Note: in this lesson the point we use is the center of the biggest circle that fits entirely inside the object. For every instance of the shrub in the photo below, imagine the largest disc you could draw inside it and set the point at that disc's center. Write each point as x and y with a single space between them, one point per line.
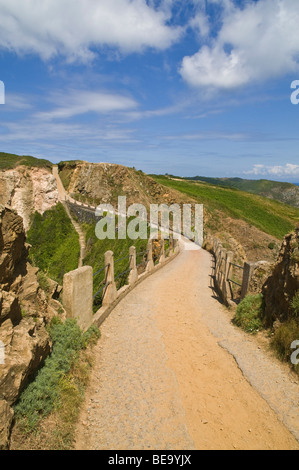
283 338
249 313
43 395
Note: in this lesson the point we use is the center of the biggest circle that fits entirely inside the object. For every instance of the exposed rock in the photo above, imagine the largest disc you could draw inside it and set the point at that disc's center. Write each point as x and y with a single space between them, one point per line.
261 272
282 285
28 190
9 308
101 183
6 417
13 250
26 348
25 309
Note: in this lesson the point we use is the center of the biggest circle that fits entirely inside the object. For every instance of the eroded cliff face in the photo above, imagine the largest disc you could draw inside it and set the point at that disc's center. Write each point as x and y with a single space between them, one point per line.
102 183
25 310
28 190
282 285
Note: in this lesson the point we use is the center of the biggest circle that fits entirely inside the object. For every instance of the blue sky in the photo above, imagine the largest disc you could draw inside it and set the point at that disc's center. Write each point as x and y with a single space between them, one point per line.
188 87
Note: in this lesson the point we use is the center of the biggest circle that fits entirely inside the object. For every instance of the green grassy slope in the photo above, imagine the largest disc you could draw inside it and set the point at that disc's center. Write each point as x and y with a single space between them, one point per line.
283 192
95 256
55 243
270 216
9 161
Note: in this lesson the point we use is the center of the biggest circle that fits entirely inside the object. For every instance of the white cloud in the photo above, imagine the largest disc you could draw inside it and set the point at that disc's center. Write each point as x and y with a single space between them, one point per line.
276 170
75 27
257 42
78 102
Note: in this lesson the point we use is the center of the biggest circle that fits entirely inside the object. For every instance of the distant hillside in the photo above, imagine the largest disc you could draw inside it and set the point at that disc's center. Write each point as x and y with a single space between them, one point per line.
9 161
270 216
284 192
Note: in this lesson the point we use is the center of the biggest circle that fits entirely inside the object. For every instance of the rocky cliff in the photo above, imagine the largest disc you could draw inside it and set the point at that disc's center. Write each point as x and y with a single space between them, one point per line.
281 286
102 183
28 189
25 309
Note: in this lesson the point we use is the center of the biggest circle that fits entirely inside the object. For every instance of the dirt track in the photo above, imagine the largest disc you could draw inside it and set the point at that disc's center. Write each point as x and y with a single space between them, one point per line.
169 373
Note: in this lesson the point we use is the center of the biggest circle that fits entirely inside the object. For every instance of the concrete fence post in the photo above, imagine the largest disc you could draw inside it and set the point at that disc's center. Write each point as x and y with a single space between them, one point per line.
176 245
133 276
247 274
110 291
171 244
78 295
149 259
162 255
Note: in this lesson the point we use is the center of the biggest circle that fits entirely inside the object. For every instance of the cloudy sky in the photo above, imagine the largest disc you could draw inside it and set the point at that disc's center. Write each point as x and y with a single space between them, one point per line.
188 87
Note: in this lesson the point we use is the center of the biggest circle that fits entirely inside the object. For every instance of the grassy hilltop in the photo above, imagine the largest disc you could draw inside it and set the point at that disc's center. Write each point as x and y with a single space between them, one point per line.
9 161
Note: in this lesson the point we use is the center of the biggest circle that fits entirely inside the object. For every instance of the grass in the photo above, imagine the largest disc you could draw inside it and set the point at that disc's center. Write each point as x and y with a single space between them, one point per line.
9 161
249 314
55 243
95 256
283 192
272 217
58 388
282 340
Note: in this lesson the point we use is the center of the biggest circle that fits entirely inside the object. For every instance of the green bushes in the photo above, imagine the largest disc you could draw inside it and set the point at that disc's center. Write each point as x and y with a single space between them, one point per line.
55 243
44 394
282 340
249 313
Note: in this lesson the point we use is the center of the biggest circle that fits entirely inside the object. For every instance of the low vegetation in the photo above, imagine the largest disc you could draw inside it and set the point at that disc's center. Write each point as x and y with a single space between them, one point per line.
282 340
55 243
57 390
250 317
9 161
249 313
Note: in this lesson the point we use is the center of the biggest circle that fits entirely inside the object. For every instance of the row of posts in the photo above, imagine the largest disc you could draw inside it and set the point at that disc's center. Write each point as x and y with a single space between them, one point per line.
78 284
111 290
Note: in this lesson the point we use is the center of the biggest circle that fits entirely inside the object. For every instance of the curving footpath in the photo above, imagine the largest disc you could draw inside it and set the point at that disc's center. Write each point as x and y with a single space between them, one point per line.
172 373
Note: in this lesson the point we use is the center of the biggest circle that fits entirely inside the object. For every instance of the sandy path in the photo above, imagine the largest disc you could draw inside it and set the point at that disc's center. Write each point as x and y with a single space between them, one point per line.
162 380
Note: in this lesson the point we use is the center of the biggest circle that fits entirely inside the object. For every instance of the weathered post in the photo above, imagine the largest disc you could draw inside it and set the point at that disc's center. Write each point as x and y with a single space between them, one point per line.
78 295
162 255
149 258
133 276
110 290
247 274
171 244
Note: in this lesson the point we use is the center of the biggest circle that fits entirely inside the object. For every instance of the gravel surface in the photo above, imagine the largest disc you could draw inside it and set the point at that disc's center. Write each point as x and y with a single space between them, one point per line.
172 373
